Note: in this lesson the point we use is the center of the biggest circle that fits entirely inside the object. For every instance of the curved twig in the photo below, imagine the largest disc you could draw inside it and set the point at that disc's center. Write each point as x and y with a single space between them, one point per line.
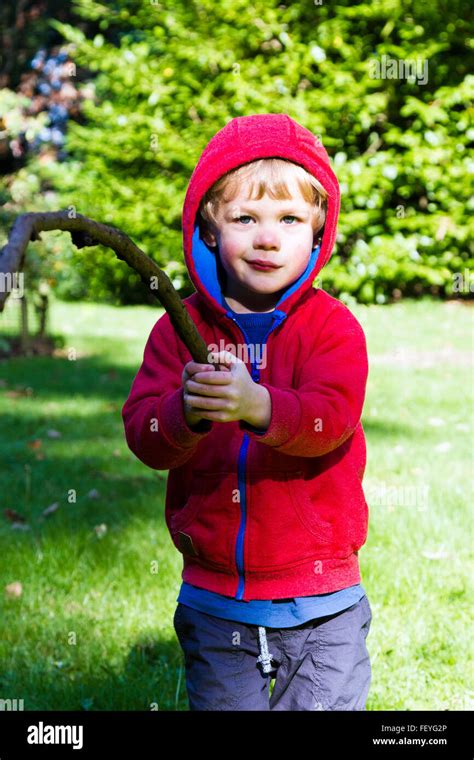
87 232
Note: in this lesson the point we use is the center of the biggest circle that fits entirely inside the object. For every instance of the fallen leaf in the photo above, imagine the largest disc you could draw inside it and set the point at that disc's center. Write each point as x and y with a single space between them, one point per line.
36 444
13 516
14 589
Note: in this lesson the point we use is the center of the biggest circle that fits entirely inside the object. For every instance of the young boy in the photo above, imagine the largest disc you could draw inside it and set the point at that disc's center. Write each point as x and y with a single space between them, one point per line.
264 445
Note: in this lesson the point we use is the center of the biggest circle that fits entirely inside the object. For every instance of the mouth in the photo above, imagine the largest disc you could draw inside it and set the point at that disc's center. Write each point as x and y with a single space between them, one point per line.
263 266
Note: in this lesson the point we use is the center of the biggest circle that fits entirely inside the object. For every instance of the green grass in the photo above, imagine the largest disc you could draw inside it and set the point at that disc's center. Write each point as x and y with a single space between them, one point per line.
93 629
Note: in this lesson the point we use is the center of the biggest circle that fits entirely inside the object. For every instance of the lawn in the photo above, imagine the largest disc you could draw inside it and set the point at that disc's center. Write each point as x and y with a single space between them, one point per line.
91 625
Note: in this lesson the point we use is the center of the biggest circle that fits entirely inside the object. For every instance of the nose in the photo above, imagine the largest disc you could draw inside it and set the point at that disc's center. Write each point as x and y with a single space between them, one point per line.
266 238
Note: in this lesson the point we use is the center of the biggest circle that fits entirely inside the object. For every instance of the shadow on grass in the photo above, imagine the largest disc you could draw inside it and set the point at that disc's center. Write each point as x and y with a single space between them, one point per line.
152 679
55 377
91 452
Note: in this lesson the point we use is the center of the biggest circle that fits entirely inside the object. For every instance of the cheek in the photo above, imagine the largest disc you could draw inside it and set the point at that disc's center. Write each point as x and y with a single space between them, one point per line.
301 265
302 253
231 248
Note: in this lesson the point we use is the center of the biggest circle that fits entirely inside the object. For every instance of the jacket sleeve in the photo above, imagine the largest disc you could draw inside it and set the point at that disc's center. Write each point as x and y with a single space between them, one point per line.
153 414
325 408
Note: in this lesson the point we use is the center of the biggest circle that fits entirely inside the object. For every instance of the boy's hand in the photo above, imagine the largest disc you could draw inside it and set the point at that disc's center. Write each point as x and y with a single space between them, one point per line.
226 395
189 371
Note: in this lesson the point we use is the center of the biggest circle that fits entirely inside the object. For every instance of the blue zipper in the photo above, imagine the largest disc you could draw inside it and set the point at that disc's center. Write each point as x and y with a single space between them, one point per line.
278 316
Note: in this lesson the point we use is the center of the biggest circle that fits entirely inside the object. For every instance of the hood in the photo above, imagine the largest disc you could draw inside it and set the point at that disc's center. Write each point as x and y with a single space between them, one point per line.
244 139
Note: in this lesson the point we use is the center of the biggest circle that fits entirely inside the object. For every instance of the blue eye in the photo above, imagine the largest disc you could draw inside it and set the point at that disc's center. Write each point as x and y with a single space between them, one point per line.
246 216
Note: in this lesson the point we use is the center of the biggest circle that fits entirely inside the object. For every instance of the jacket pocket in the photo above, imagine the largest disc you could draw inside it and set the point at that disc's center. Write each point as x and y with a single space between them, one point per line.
339 518
284 526
205 527
309 511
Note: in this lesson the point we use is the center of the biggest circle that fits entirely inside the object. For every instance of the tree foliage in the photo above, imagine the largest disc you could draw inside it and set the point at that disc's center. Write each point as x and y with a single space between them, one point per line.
168 75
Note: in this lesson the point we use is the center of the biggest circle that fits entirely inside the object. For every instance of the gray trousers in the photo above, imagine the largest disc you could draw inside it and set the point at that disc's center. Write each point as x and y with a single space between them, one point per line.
322 664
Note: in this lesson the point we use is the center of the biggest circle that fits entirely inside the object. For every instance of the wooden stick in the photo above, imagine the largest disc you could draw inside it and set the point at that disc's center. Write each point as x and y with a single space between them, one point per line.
87 232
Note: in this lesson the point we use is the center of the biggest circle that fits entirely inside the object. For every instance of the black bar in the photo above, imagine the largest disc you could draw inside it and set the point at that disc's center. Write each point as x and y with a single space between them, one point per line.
417 734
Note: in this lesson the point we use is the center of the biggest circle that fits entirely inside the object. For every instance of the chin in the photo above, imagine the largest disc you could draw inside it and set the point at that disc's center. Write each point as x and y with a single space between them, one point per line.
268 290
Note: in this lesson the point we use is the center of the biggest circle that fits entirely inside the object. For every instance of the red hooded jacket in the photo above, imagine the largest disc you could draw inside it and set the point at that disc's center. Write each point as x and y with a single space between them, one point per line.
281 514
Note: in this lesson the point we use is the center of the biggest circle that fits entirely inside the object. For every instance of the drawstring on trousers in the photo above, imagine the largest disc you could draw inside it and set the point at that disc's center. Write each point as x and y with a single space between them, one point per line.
265 657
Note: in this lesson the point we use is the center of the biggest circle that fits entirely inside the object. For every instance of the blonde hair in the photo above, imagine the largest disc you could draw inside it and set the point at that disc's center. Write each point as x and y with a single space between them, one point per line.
266 175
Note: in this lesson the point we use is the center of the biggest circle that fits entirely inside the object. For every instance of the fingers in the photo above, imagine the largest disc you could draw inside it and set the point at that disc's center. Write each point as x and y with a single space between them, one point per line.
215 389
226 358
216 378
190 369
200 373
193 367
203 404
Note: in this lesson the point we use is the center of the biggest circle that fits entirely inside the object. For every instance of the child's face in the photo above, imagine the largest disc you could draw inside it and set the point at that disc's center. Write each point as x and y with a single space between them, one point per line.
279 232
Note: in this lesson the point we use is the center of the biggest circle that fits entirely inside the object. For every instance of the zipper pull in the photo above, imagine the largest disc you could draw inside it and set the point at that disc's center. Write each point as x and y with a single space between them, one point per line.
255 374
